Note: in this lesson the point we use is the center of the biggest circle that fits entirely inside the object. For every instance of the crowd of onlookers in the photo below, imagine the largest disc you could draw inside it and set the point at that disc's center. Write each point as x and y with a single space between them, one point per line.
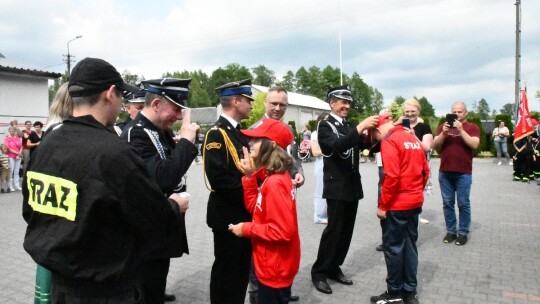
16 150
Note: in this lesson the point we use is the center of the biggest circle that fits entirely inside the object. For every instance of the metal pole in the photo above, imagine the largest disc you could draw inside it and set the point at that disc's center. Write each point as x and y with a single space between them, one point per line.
518 52
69 57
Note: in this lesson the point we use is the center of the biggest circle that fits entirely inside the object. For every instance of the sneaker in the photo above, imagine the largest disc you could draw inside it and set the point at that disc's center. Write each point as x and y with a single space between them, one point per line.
19 188
2 190
379 248
499 163
11 189
409 297
461 240
510 163
387 298
424 221
450 237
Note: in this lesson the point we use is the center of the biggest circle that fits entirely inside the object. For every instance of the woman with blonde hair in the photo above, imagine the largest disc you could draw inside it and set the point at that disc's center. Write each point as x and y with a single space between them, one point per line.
61 107
411 110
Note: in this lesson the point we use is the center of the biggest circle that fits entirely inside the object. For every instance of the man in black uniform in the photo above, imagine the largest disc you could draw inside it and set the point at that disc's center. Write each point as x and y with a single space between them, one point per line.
341 143
222 150
94 215
151 137
134 104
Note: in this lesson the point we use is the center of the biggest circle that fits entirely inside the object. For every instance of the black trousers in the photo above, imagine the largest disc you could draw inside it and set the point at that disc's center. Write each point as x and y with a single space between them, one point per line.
269 295
400 233
230 271
335 239
69 290
154 280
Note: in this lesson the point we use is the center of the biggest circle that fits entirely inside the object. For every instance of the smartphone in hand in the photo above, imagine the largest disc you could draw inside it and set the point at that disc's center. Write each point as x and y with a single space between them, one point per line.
450 118
406 123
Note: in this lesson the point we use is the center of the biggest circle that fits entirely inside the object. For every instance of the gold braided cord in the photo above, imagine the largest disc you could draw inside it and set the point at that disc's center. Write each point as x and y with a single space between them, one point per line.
230 150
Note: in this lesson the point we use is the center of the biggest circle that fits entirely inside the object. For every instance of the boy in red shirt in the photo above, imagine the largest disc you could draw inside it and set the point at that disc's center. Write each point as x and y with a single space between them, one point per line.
406 173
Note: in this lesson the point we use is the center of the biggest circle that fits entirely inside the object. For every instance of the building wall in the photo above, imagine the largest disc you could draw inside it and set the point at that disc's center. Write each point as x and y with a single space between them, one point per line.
23 98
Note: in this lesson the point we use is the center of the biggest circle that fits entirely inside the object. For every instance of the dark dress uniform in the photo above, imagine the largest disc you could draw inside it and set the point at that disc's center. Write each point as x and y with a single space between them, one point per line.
167 163
94 215
340 144
230 271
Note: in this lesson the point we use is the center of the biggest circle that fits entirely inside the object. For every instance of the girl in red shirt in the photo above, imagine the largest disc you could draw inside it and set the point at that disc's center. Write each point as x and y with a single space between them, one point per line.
269 195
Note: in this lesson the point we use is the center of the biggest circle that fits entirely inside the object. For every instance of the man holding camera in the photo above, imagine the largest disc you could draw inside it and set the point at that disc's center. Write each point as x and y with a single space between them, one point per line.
455 142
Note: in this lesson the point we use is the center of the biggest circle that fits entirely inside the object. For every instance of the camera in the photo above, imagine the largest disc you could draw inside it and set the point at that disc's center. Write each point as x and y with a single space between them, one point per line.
450 118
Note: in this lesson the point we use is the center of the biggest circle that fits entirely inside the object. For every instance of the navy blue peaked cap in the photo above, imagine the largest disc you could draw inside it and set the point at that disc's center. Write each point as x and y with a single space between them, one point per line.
175 90
135 97
341 92
242 87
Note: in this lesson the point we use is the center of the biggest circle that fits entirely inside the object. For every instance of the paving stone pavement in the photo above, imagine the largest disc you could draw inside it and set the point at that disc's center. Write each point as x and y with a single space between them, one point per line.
500 264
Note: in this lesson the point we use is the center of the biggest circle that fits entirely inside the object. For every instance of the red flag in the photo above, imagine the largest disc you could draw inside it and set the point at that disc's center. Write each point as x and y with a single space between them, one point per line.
524 126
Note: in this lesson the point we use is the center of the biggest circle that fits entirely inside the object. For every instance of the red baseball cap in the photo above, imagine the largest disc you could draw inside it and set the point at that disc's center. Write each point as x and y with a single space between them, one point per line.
384 118
272 129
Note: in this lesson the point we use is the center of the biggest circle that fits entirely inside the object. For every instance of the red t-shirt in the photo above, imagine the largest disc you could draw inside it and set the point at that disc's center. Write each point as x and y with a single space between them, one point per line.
456 156
25 140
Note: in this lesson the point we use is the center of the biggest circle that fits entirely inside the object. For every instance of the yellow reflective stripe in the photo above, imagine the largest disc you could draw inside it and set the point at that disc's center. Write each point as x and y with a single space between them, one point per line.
52 195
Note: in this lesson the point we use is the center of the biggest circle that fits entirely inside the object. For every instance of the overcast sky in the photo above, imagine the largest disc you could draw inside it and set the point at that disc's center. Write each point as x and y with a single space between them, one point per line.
445 50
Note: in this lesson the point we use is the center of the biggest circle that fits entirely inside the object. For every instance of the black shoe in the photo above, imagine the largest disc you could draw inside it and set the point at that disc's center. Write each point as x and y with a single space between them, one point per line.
461 240
450 237
342 279
2 190
409 297
387 298
169 297
294 299
322 286
379 248
8 191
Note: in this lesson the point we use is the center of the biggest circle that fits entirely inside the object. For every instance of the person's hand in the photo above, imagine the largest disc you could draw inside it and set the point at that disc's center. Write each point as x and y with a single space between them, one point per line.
458 125
446 127
188 130
237 229
381 214
246 163
182 202
368 123
298 180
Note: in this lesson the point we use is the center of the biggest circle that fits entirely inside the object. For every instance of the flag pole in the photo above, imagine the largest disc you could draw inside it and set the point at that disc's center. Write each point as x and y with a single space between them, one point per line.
518 54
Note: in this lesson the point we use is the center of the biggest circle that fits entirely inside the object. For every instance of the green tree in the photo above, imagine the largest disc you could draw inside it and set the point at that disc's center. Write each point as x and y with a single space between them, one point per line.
132 78
257 112
362 95
232 72
427 110
508 109
263 76
198 95
483 109
310 82
53 88
288 82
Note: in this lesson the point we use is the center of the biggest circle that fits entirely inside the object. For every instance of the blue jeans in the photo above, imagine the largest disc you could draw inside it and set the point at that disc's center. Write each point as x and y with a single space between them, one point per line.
400 233
459 184
501 148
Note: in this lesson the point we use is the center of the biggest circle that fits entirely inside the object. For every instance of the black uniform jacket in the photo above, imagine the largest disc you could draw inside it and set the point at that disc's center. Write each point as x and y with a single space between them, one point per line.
341 152
166 169
226 201
166 161
93 212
